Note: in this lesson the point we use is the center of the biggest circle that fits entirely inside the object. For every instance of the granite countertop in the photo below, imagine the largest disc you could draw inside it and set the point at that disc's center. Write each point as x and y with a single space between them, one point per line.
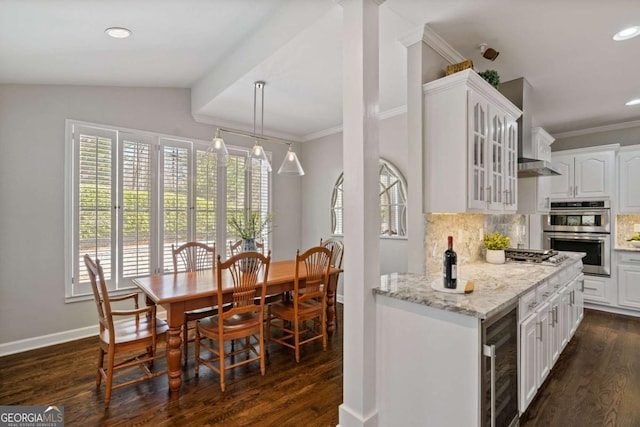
495 286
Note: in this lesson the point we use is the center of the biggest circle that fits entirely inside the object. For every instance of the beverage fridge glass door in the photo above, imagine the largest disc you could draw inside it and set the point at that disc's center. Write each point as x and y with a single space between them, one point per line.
500 370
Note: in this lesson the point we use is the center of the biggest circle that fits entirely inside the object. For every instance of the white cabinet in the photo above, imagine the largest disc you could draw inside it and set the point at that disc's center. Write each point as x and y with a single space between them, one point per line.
628 179
584 174
549 316
598 289
471 142
629 280
528 352
534 192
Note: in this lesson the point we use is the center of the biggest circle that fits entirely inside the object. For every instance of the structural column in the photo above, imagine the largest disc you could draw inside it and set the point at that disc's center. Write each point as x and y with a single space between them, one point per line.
361 209
415 177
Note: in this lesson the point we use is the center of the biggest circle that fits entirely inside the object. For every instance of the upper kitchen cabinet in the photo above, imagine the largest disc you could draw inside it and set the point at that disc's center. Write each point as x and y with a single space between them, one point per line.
585 174
629 179
471 147
534 192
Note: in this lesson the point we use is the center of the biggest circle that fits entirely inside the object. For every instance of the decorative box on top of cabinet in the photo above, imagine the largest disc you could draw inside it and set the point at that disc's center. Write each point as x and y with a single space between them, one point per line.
471 147
585 173
534 192
628 179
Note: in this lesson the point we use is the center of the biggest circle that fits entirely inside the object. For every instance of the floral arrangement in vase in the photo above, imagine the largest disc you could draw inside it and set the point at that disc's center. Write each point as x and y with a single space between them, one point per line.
249 226
495 243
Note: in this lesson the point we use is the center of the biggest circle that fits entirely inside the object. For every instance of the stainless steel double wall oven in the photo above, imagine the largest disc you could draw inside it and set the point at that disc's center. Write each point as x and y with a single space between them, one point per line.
581 226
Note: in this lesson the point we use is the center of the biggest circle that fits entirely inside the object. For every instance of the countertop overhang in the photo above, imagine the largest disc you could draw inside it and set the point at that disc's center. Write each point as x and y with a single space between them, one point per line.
496 287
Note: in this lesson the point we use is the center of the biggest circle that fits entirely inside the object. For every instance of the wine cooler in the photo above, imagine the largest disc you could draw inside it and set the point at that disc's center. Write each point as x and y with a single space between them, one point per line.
500 369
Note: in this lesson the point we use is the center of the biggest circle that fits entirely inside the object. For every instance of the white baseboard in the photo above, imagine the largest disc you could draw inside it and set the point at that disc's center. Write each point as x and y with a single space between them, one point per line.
47 340
56 338
341 299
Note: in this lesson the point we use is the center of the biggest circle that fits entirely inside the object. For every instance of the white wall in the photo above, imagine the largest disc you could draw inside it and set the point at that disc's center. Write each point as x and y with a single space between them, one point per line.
322 162
32 171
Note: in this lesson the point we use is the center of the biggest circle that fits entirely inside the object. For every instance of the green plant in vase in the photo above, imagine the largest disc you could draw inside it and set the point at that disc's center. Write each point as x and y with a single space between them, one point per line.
250 226
495 243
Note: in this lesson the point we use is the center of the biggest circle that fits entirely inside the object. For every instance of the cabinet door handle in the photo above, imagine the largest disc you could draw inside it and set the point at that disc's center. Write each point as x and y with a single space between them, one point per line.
551 317
490 352
555 315
575 191
540 324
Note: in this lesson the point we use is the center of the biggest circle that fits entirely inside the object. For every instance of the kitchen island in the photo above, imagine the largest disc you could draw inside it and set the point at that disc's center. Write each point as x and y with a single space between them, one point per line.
429 348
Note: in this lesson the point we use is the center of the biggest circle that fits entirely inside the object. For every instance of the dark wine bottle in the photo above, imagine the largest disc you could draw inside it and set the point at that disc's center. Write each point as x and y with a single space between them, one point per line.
450 266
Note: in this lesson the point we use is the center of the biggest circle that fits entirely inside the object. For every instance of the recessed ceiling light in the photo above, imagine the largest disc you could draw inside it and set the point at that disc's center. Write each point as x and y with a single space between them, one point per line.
633 102
627 33
118 32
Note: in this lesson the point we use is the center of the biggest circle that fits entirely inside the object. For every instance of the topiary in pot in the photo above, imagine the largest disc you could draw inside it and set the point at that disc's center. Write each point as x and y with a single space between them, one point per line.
491 76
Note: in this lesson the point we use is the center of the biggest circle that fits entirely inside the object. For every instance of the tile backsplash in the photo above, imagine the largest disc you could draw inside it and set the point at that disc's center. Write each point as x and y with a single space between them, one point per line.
467 231
624 229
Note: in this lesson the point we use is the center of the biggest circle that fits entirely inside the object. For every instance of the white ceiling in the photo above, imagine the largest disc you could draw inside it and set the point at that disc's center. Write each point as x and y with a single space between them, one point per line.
581 78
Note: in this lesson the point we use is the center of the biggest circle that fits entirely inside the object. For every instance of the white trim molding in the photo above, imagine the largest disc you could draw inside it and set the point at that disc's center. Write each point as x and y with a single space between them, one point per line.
597 129
434 41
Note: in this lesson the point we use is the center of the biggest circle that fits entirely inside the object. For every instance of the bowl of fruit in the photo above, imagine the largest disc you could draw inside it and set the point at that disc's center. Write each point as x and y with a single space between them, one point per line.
635 240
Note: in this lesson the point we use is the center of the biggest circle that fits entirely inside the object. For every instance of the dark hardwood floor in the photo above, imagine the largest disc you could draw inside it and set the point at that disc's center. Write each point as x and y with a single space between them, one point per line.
290 394
596 381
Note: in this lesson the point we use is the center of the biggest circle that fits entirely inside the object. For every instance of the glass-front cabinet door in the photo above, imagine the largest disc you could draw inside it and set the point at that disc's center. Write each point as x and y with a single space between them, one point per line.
478 144
496 153
511 156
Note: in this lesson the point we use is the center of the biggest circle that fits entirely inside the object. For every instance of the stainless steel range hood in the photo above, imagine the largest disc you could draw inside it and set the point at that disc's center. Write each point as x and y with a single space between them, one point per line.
518 91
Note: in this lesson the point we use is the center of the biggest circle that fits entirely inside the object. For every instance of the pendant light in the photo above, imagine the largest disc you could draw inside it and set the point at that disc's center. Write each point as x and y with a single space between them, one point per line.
218 146
257 152
291 165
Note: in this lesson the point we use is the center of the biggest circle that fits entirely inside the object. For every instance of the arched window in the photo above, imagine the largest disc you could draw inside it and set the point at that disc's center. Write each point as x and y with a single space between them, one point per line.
393 202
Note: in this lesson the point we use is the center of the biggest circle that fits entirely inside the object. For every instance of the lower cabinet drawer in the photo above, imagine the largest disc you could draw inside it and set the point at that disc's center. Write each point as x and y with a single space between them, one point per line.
595 290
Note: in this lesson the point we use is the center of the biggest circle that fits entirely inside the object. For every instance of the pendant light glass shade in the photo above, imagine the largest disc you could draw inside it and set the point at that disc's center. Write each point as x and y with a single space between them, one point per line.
218 146
258 153
291 165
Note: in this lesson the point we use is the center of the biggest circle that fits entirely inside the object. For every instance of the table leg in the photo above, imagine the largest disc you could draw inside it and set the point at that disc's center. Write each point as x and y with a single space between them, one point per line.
331 312
173 358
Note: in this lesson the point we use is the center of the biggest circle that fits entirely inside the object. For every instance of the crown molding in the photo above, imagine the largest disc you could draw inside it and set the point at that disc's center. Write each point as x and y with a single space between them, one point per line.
440 45
337 129
597 129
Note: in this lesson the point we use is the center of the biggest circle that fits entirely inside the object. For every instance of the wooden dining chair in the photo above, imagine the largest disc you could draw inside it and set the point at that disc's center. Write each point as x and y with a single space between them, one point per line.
140 332
308 303
247 274
337 253
236 247
193 256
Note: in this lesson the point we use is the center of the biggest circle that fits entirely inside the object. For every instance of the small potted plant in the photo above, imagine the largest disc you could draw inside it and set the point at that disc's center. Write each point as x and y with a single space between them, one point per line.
495 243
635 240
491 77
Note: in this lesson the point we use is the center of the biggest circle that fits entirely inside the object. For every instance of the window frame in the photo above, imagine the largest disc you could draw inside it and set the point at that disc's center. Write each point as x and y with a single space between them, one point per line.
119 285
337 197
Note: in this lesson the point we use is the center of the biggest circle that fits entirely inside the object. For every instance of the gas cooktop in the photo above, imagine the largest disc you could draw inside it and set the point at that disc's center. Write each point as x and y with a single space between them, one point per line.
537 256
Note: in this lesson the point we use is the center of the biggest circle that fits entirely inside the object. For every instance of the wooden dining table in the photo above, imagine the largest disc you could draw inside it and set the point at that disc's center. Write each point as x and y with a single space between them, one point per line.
180 292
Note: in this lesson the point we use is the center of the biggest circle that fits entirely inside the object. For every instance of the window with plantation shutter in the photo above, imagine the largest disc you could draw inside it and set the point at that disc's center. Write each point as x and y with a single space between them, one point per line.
393 202
132 194
135 195
93 199
247 189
